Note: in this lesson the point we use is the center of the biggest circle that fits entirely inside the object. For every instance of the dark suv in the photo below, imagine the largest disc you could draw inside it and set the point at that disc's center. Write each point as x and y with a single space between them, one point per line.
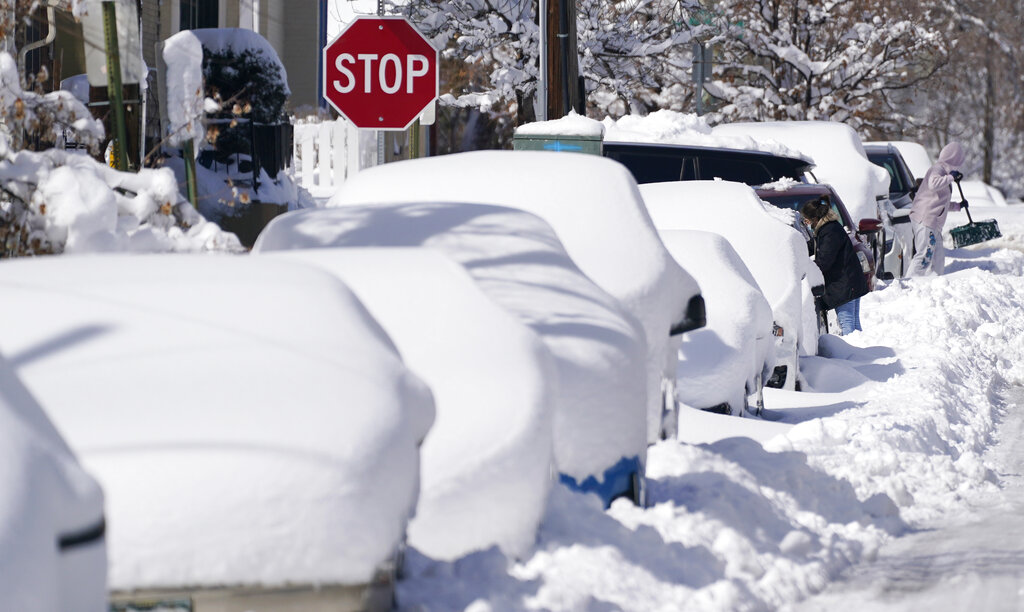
902 186
660 163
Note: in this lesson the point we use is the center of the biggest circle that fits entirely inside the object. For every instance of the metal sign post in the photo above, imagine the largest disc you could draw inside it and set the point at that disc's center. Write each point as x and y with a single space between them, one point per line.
115 92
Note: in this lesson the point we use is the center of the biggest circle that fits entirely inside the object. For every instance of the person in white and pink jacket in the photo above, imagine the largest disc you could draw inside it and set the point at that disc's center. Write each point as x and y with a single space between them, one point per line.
928 213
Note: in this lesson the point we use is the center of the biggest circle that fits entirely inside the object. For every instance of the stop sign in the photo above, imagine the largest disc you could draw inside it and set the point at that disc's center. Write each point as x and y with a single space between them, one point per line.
380 72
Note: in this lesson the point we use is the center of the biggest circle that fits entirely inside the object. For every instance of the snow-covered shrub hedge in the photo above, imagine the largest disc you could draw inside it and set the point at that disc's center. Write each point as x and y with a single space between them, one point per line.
243 73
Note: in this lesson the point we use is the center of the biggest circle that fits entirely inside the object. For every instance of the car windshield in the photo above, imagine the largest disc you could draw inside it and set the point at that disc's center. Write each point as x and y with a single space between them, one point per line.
795 201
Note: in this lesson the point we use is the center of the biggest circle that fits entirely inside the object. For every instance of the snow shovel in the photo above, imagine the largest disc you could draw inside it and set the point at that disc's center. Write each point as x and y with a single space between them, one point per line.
973 232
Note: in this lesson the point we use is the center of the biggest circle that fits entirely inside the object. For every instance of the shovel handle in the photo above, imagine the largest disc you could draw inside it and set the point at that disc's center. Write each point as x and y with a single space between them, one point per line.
962 200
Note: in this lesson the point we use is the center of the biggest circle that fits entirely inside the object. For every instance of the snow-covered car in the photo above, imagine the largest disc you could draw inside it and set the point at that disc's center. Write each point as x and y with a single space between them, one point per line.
979 193
772 249
256 433
487 460
902 185
53 554
659 162
914 154
840 161
724 365
600 419
794 196
595 209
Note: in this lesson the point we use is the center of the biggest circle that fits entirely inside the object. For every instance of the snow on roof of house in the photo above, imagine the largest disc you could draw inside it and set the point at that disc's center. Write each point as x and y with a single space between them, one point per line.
249 421
672 127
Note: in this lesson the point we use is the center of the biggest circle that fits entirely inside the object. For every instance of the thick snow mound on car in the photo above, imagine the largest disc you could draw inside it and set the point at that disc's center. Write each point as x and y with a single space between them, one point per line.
736 345
250 422
487 460
838 155
518 262
774 253
594 207
44 495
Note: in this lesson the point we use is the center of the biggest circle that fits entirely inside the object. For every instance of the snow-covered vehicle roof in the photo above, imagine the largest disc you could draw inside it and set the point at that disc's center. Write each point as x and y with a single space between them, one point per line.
838 155
979 193
672 127
518 262
53 554
773 251
487 460
721 362
594 207
250 422
913 153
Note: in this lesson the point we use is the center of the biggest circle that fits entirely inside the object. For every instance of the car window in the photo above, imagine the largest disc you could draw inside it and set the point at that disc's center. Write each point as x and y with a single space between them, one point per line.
896 183
733 169
651 167
794 202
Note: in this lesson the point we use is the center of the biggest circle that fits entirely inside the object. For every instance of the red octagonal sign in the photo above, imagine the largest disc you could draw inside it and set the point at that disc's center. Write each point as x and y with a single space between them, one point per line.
380 73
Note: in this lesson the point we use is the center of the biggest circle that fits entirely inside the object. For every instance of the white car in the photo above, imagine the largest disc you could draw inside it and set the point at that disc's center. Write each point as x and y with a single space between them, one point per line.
600 419
254 429
724 365
53 554
595 209
773 251
487 460
840 161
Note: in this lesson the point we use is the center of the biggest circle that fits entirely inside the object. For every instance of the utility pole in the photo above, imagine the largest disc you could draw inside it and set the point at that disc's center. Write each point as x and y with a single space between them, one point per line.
563 91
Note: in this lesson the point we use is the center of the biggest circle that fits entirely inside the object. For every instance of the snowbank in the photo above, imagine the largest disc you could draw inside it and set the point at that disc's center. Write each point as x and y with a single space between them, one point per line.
593 205
45 496
487 460
838 156
734 353
673 127
77 205
249 421
518 262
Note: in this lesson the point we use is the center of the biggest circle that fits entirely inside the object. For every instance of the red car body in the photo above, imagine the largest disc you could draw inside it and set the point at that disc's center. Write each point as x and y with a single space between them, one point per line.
793 197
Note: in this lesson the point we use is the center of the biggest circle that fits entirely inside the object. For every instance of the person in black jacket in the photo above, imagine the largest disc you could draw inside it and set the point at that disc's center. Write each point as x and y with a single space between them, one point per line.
834 254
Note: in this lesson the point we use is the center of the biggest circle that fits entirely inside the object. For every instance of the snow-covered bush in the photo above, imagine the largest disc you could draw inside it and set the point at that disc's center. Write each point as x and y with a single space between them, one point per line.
243 73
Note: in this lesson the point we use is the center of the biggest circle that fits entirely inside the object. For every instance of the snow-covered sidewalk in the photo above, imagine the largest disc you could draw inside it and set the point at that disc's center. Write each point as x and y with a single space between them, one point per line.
752 514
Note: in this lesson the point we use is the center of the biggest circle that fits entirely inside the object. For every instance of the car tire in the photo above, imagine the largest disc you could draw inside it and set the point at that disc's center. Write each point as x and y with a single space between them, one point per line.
638 489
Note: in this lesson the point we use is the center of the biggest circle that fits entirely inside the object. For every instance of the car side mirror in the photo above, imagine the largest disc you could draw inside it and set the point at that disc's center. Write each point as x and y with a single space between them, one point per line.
869 226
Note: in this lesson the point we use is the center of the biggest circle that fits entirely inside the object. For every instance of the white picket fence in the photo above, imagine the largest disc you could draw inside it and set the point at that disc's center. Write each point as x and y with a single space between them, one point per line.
327 153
